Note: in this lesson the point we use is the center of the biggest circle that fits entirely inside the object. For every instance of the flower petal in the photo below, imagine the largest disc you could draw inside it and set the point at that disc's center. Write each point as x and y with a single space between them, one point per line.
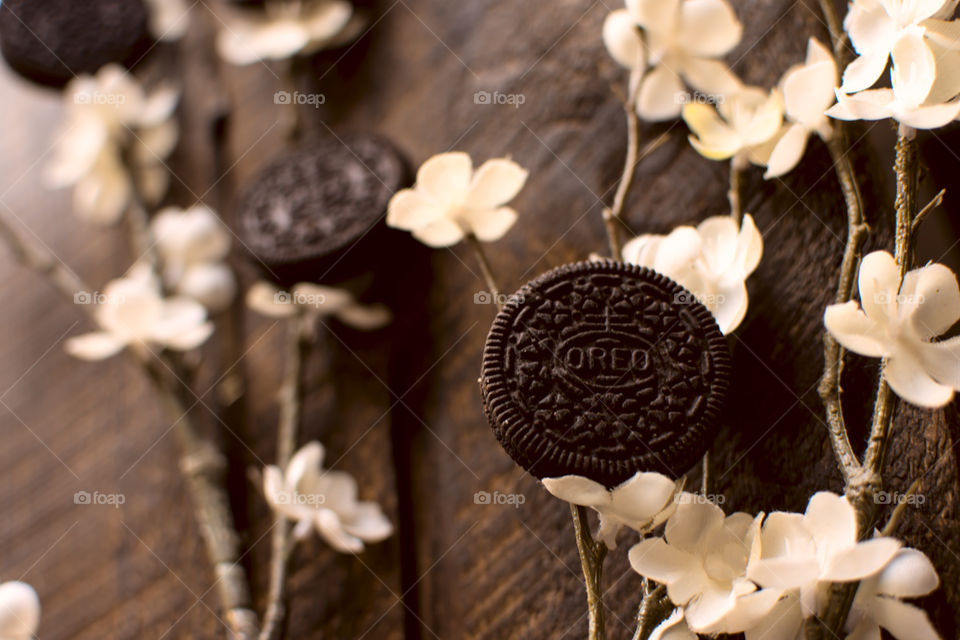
490 224
19 611
578 490
673 628
660 561
859 561
712 77
873 104
365 317
641 497
325 20
709 608
692 522
211 284
441 233
909 379
712 137
708 28
914 68
446 177
931 297
942 361
330 529
879 282
369 523
863 72
654 15
870 28
268 300
623 40
909 575
931 116
784 621
660 95
305 464
787 152
94 346
410 210
903 621
495 183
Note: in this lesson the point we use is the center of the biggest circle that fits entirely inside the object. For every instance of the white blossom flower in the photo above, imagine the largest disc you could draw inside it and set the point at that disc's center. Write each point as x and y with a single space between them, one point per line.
702 559
314 301
877 604
675 627
286 28
681 41
801 554
115 139
640 503
451 200
132 311
193 245
324 500
900 322
879 104
883 29
808 91
169 19
19 611
744 127
712 261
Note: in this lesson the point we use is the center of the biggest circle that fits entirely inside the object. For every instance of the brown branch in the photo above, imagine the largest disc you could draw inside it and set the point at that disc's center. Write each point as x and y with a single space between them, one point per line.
736 186
298 346
592 554
477 248
611 216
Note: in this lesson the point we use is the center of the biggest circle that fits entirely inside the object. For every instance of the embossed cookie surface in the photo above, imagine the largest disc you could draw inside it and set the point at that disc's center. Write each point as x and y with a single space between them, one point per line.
603 369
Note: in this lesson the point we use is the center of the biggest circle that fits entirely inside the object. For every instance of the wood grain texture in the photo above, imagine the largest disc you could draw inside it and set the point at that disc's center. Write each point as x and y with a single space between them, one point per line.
401 410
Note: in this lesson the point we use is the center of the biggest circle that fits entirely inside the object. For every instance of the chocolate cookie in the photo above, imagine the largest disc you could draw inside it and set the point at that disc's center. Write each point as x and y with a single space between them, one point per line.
51 41
309 208
603 369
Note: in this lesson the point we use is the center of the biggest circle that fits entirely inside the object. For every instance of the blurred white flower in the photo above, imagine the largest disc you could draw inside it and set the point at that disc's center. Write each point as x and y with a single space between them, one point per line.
712 261
744 126
133 312
681 41
877 604
901 322
808 91
878 104
193 245
640 503
702 559
286 28
884 29
451 200
800 554
316 498
19 611
169 19
314 301
114 140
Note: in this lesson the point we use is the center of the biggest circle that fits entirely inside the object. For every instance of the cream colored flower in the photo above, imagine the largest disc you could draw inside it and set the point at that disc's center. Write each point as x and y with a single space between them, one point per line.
681 40
169 19
115 138
808 91
902 323
314 301
451 200
193 245
19 611
712 261
640 503
323 500
744 126
134 313
286 28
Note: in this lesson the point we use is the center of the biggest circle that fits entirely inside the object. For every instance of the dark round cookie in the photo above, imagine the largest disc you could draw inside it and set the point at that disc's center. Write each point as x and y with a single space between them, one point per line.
603 369
51 41
309 207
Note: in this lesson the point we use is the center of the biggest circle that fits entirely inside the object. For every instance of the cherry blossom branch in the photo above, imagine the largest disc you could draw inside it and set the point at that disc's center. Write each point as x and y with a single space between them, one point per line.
477 248
829 388
611 216
654 609
200 463
298 345
838 37
592 554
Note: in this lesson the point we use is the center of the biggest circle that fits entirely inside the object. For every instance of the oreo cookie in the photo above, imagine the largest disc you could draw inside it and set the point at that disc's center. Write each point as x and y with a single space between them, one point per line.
310 210
603 369
51 41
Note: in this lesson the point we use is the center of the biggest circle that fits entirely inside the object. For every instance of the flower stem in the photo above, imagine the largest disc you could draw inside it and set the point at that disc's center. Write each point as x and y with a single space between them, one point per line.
654 609
611 216
592 554
477 248
830 387
736 186
838 37
298 345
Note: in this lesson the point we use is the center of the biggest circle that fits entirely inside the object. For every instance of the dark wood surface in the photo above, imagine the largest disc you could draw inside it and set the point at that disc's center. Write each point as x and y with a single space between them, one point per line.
401 410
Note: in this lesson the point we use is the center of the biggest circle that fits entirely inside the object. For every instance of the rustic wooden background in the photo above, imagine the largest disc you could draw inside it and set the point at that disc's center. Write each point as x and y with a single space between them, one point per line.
402 411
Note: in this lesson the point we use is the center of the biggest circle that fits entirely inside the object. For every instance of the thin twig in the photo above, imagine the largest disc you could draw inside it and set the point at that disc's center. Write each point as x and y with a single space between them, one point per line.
830 385
935 202
477 248
611 216
592 554
298 347
654 609
705 474
900 509
736 186
838 37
